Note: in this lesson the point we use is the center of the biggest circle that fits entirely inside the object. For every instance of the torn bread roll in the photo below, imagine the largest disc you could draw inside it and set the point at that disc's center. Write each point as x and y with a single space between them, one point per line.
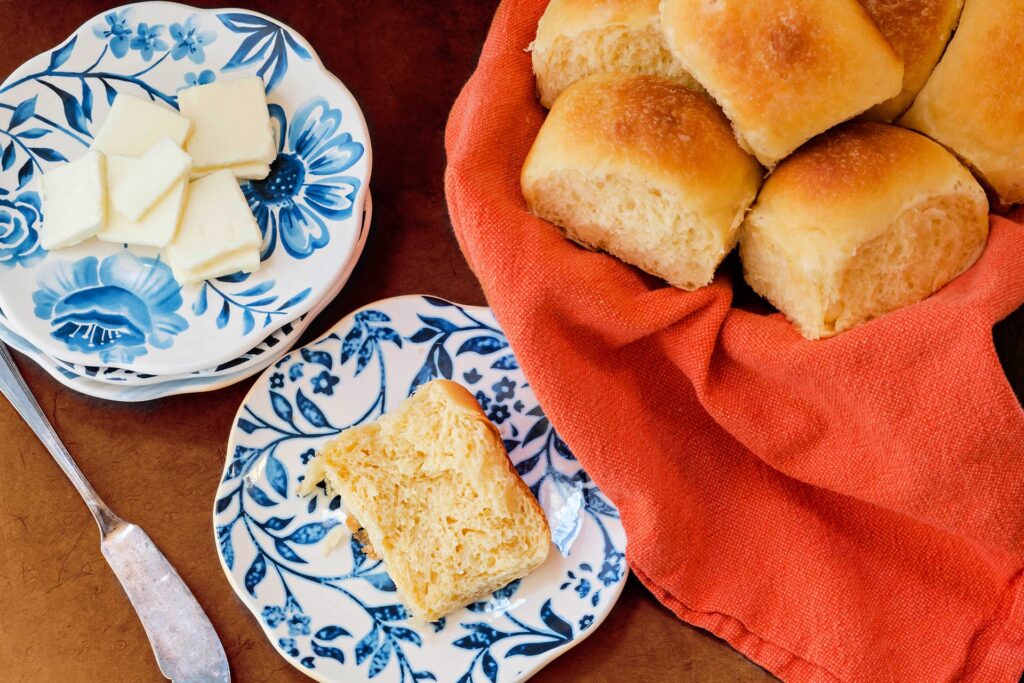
433 490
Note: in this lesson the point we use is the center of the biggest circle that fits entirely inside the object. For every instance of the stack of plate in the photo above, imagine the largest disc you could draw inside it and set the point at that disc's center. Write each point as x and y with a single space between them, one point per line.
112 321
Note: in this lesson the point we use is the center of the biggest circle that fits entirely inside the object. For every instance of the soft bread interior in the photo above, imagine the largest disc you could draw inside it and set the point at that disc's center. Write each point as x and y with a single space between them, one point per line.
437 499
926 246
635 220
613 49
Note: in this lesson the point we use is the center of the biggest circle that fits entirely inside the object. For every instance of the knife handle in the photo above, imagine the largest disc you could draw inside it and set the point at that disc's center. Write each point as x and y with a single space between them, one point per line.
13 386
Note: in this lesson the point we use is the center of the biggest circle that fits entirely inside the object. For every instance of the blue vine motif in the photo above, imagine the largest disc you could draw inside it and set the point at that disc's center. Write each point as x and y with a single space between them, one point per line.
483 636
253 302
282 538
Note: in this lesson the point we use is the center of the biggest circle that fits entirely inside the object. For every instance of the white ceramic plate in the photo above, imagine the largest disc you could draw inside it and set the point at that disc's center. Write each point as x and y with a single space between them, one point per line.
101 304
281 340
131 394
335 615
189 384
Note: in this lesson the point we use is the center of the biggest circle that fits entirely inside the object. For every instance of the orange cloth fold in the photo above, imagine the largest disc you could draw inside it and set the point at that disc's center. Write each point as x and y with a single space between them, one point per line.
849 509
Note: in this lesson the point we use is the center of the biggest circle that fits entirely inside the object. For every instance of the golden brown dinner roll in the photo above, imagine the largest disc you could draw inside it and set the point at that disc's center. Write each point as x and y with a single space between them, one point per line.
645 169
437 498
974 101
863 220
783 70
918 30
578 38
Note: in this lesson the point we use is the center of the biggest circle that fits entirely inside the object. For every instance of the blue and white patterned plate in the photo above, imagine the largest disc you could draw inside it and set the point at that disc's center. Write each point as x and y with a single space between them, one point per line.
334 614
133 393
102 304
281 340
159 387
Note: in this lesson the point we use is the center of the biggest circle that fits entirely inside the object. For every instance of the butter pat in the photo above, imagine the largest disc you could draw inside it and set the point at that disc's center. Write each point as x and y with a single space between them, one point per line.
157 226
152 176
255 170
74 201
245 260
217 235
134 125
232 125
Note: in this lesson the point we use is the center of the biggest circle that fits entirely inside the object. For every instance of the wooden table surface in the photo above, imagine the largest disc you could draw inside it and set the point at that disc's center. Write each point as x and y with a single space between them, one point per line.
63 616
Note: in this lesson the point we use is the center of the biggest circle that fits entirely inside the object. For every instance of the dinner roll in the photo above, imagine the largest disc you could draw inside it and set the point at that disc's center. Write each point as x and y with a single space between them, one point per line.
863 220
783 70
578 38
974 101
918 30
645 169
430 489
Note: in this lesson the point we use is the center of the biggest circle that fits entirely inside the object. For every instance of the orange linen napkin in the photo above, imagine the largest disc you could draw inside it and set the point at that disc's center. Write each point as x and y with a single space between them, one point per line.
849 509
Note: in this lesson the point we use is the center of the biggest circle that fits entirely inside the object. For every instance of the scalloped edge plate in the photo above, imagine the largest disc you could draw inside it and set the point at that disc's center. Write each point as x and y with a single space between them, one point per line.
333 614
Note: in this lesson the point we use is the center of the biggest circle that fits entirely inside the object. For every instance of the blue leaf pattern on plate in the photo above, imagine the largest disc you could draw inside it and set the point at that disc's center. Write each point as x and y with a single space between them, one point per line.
265 40
297 419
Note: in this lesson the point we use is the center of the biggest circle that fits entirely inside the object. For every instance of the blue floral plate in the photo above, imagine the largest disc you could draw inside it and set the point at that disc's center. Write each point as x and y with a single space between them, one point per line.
134 393
280 341
114 384
328 609
101 304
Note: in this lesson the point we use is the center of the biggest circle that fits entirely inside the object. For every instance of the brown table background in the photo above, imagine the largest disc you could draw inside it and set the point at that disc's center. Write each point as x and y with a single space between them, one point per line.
63 616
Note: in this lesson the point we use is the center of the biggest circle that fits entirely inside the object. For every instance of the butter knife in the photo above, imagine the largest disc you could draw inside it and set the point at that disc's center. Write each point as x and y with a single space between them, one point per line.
186 646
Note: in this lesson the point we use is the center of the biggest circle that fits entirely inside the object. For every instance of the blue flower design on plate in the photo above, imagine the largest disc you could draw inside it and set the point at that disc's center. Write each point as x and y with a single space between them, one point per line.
498 413
337 613
147 40
305 187
114 308
20 220
204 77
324 383
116 31
190 41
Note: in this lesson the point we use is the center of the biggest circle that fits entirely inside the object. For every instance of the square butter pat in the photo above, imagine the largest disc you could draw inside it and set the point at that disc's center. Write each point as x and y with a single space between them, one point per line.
244 260
134 125
74 201
232 125
157 226
156 172
216 222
